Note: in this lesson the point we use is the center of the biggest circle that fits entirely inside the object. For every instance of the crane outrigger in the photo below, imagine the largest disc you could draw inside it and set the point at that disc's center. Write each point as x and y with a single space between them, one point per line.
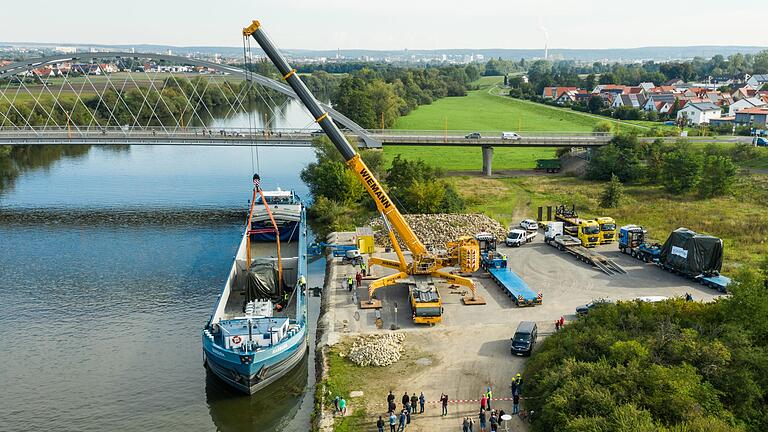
463 253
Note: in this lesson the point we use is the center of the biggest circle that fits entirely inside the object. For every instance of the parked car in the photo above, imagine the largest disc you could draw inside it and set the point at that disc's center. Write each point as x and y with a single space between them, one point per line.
761 142
652 299
524 339
514 136
317 133
473 135
584 309
529 224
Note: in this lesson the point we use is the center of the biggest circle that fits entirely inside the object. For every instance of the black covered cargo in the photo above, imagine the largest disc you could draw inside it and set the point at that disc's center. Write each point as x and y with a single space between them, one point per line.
692 254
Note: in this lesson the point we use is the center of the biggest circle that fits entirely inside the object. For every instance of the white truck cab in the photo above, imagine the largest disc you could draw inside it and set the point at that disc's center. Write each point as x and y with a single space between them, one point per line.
553 229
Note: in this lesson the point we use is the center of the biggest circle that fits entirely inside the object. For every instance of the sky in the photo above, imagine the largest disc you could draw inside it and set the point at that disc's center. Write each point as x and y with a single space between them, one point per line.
393 24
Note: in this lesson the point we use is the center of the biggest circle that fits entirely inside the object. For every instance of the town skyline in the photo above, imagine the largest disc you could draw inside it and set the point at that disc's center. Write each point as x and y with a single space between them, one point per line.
420 26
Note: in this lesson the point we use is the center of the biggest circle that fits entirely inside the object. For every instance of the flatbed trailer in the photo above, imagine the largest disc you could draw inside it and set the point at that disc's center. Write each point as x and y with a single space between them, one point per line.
515 287
572 245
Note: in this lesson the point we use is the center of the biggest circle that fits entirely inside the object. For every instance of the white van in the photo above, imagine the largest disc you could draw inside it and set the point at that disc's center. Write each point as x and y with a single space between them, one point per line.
511 136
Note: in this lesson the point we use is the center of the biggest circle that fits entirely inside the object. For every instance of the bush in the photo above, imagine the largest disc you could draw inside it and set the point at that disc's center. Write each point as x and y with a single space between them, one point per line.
613 193
681 169
672 366
720 176
620 158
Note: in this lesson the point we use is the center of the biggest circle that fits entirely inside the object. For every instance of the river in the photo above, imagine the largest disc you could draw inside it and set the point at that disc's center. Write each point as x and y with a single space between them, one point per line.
102 314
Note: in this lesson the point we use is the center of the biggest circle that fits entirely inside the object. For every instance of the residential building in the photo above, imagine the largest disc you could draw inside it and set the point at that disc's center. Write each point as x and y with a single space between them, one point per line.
755 117
757 81
630 100
556 92
744 92
744 104
652 104
699 113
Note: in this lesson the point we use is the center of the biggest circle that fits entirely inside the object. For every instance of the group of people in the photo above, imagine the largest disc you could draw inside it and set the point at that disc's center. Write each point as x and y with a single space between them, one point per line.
559 323
340 404
399 422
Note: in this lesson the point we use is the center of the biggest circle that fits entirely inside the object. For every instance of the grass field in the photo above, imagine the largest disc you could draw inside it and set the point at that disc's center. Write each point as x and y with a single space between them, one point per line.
740 219
482 111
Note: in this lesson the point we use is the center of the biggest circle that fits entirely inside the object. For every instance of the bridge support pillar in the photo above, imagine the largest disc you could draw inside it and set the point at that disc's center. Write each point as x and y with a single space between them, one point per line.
487 160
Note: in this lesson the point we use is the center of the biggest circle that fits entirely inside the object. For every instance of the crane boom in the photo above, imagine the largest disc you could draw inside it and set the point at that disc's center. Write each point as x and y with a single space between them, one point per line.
383 203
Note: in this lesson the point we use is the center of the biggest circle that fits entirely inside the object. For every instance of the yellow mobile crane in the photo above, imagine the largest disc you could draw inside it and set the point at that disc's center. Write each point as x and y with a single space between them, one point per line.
463 253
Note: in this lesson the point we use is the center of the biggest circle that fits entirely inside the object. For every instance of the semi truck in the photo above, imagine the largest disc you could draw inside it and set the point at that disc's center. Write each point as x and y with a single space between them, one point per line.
687 253
586 230
632 241
607 230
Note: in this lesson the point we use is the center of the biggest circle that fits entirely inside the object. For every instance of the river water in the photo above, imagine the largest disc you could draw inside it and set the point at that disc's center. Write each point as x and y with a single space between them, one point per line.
101 316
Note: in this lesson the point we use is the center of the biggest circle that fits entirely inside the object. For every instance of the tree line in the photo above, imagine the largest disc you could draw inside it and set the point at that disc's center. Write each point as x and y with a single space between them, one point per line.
678 167
376 98
675 366
340 201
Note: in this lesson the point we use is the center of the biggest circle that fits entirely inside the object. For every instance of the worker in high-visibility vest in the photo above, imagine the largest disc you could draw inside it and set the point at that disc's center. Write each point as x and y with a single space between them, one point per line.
363 267
350 283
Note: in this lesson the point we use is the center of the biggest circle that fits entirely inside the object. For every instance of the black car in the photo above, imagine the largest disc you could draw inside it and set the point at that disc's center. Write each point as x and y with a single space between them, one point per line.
584 309
524 339
473 135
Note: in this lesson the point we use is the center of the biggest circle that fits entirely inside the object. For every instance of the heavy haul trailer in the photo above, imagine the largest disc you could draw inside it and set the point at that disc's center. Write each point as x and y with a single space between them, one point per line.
495 264
514 287
555 237
695 256
689 254
586 230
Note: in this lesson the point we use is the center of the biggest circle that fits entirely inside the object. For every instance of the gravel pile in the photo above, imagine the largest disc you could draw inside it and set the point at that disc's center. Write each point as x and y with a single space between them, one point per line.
436 229
377 349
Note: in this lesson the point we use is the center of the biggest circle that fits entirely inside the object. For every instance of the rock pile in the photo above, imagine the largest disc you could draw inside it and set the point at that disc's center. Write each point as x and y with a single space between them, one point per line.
377 349
436 229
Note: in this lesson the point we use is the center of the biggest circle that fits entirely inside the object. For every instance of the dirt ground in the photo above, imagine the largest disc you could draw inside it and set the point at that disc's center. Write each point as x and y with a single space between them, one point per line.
469 351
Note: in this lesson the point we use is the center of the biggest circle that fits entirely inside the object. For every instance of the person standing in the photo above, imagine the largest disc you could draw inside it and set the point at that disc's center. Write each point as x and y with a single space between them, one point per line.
390 398
350 283
489 396
380 424
336 404
471 425
444 403
407 410
359 279
483 402
483 423
343 407
392 421
414 401
501 418
516 404
557 325
401 426
494 422
519 381
513 387
405 399
422 401
562 322
465 425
